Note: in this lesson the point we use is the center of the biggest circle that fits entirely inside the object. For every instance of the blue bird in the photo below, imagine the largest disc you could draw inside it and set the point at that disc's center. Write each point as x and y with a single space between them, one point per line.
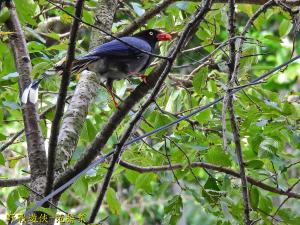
113 60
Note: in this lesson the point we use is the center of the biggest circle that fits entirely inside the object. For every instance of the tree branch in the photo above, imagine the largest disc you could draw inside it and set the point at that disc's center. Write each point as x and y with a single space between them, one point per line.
14 181
101 159
138 22
62 97
85 92
260 2
35 141
113 122
64 2
229 104
221 169
11 140
188 31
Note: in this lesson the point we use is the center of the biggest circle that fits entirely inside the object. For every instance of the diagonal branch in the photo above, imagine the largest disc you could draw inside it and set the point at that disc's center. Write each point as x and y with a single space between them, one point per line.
186 34
113 123
62 97
85 92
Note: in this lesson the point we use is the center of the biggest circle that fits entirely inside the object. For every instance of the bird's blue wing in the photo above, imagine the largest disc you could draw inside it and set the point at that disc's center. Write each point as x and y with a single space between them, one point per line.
118 49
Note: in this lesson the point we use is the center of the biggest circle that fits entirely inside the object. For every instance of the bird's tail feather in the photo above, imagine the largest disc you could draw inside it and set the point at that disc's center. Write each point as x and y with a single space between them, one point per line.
80 65
31 92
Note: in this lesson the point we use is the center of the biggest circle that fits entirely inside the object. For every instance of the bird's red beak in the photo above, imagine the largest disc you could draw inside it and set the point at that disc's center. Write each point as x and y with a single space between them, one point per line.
164 37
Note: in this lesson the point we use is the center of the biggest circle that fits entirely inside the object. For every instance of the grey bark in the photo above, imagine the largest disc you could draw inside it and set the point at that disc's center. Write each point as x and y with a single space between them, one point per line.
34 138
85 92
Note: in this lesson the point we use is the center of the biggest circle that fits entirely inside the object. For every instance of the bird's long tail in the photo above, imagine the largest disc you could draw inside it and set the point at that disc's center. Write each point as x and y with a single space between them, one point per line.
31 92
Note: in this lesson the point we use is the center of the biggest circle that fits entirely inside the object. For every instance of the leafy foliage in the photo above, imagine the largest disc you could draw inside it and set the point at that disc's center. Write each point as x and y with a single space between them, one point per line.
268 116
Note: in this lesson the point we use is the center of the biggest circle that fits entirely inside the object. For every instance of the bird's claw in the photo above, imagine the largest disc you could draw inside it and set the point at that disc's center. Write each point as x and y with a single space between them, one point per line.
143 78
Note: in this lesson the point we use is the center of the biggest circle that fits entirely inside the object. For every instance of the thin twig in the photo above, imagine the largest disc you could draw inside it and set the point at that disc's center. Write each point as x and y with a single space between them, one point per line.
146 16
170 164
19 133
11 140
14 181
228 102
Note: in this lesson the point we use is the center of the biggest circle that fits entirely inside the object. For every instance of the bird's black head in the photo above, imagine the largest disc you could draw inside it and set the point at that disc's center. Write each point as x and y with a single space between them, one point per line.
152 36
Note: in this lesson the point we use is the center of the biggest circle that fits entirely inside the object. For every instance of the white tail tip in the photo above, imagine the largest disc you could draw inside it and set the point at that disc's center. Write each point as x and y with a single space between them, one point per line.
30 93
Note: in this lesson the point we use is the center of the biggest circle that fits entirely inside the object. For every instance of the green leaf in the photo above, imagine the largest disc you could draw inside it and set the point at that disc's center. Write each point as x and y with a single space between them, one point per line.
289 216
196 195
2 222
12 199
204 116
1 116
39 69
81 187
35 46
285 27
23 192
26 10
173 209
160 120
255 142
255 164
2 159
2 137
172 101
131 176
112 201
273 38
144 182
211 191
217 156
88 17
259 22
91 130
254 197
4 14
54 36
265 204
199 80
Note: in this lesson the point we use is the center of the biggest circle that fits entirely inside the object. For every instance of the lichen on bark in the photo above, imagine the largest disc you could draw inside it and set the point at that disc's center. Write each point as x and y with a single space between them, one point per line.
85 92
